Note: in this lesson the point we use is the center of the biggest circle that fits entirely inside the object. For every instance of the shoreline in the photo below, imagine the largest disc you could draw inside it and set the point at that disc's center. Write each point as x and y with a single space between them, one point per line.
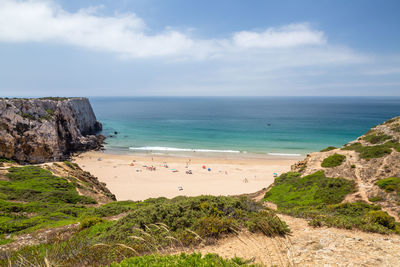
198 153
227 175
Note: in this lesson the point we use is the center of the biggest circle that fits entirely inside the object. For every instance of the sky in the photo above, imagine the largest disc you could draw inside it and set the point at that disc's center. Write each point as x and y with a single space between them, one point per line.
199 48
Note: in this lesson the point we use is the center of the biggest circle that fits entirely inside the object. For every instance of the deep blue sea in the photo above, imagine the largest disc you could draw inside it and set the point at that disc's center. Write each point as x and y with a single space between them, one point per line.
252 125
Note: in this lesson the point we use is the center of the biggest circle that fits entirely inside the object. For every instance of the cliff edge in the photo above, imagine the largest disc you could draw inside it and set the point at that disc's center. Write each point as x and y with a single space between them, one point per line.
47 129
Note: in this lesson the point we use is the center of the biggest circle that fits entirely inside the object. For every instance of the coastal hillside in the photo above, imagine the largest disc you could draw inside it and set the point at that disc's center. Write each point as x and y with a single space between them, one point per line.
372 162
56 214
46 129
44 197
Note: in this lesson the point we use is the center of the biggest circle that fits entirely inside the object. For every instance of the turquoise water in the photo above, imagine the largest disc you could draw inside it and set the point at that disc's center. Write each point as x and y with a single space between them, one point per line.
255 125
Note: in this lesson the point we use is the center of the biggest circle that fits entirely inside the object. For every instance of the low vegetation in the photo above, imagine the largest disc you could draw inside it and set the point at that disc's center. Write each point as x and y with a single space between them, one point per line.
195 259
391 184
329 148
319 198
377 138
396 128
376 151
191 220
31 198
55 98
5 160
333 161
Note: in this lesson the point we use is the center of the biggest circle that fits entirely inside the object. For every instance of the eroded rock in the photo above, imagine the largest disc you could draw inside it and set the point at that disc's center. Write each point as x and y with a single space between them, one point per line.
40 130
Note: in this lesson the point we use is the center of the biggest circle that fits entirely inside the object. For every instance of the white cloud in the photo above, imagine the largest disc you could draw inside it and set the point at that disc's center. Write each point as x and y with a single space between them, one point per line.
43 21
127 36
288 36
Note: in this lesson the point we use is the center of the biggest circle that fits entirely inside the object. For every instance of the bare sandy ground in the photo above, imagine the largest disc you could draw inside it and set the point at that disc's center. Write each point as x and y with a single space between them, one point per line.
309 246
227 176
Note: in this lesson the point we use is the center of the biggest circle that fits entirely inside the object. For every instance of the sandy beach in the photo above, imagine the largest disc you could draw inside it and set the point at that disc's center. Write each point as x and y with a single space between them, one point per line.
130 177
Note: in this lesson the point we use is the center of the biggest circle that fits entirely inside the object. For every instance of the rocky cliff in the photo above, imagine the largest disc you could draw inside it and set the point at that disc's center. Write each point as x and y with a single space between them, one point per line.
372 161
47 129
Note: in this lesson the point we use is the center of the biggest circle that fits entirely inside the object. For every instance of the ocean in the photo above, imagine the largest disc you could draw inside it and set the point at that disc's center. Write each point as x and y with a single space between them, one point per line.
277 126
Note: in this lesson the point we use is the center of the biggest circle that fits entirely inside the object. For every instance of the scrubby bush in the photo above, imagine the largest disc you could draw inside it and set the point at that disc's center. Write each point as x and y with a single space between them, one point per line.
291 190
377 138
329 148
376 151
195 259
333 161
375 199
207 216
381 218
319 198
5 160
89 222
152 226
266 223
52 201
212 226
390 184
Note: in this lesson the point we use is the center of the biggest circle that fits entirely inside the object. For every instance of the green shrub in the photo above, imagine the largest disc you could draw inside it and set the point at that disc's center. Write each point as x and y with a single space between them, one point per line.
266 223
291 190
329 148
181 217
182 260
375 199
50 112
376 151
4 160
115 208
381 218
89 222
377 138
390 121
151 226
32 183
333 161
69 164
214 226
390 184
55 98
52 201
319 198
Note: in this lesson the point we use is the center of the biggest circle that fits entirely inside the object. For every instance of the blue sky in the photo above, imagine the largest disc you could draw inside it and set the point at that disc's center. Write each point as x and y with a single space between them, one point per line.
189 48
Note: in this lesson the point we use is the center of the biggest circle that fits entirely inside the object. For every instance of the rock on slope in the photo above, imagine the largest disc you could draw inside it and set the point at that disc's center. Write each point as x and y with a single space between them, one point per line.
369 159
46 129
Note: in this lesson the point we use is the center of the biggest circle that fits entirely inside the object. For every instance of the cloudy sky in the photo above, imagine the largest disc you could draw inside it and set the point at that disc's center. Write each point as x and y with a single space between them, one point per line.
199 48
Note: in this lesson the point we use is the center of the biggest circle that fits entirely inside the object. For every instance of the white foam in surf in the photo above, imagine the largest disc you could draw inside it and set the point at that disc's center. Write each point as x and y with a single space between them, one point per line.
175 149
284 154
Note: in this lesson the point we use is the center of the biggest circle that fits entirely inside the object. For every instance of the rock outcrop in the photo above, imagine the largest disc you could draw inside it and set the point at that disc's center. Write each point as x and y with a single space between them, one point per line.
369 159
47 129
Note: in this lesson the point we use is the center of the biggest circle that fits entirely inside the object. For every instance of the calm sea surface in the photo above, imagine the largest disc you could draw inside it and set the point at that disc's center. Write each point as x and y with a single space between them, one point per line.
253 125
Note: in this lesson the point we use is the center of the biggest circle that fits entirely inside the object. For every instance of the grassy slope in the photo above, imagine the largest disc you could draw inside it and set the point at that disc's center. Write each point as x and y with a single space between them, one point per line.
182 260
32 198
319 198
333 161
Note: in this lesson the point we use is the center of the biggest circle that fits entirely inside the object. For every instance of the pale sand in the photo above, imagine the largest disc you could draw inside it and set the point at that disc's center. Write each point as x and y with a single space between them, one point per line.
227 176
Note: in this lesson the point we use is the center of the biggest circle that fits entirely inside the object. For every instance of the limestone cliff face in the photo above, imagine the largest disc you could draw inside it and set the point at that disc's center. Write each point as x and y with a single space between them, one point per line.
48 129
